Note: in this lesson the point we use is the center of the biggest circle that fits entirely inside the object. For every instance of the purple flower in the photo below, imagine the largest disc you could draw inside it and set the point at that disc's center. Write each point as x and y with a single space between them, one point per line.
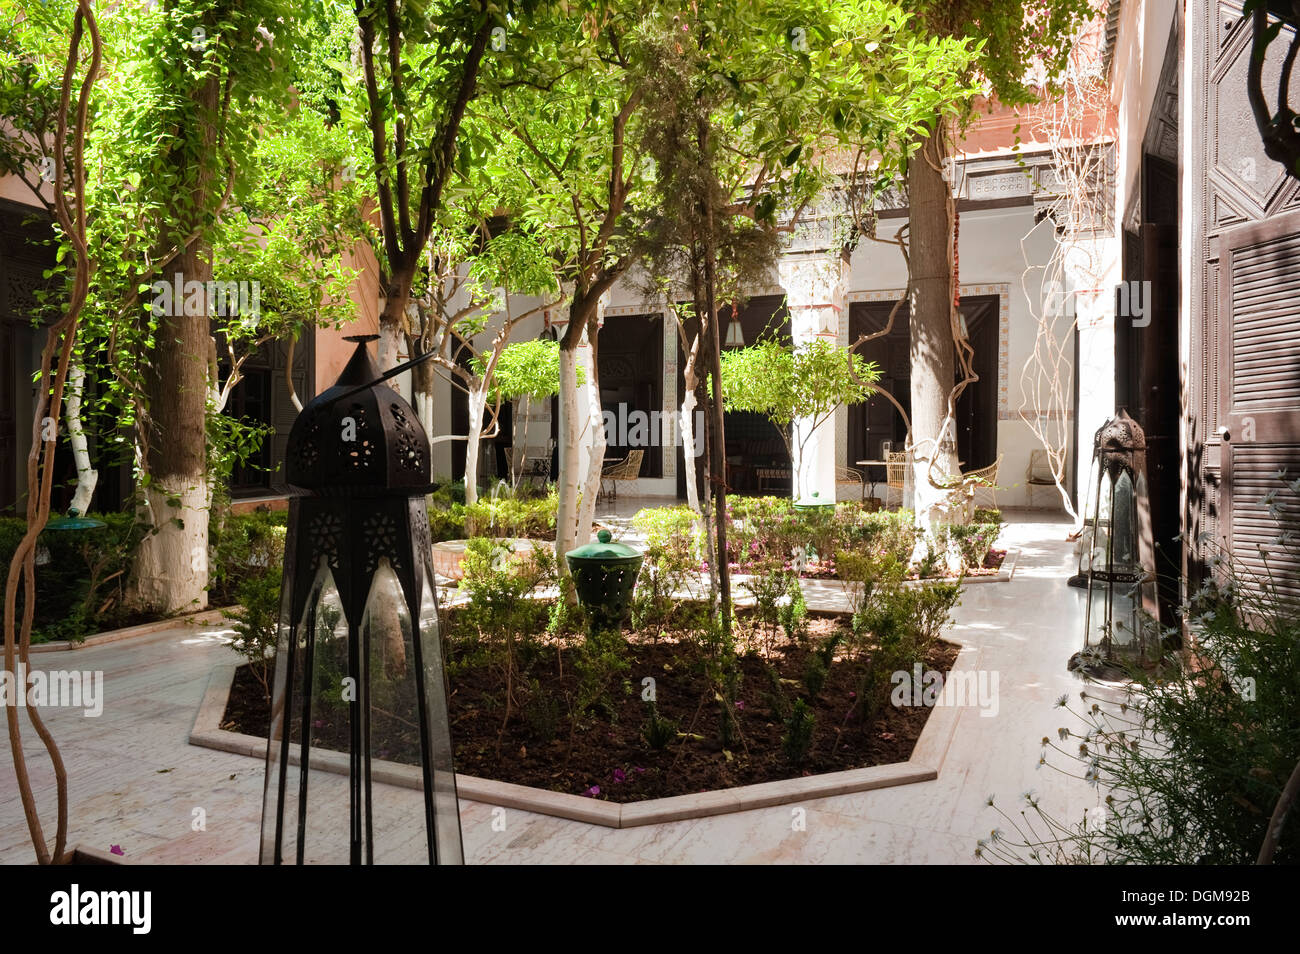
638 769
116 850
853 695
619 775
740 704
593 791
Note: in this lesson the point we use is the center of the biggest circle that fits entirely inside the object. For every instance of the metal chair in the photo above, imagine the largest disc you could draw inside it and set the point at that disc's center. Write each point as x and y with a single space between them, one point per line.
1039 473
988 474
895 475
629 468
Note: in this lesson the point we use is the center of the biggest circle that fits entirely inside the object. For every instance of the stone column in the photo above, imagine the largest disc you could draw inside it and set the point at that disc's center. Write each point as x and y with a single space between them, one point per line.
816 287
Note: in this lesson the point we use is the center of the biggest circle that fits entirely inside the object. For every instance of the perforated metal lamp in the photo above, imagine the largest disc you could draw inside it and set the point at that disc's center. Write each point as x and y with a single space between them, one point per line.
359 761
1121 608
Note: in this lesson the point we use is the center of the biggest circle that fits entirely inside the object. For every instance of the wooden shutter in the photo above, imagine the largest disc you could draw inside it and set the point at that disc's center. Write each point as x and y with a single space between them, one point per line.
1259 395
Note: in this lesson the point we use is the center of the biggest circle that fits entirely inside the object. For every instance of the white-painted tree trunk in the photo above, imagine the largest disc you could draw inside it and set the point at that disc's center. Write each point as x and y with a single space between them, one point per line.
566 519
87 476
594 434
172 572
477 402
688 449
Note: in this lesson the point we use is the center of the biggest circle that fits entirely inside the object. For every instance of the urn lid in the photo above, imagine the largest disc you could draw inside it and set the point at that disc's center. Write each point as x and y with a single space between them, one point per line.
358 437
603 550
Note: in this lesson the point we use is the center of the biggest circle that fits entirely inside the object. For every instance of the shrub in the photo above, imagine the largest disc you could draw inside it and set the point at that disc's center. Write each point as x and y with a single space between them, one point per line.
244 547
256 622
883 533
658 731
82 589
797 740
672 560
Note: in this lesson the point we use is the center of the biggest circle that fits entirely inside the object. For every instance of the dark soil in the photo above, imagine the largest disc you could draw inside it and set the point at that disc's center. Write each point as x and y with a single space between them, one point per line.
604 755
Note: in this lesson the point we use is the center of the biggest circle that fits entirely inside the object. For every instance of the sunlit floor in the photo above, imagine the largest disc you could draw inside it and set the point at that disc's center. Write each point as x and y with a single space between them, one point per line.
135 782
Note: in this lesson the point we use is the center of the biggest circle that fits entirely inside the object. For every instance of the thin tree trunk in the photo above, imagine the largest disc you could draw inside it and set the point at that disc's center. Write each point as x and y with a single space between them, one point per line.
596 445
87 476
566 518
932 349
718 442
477 402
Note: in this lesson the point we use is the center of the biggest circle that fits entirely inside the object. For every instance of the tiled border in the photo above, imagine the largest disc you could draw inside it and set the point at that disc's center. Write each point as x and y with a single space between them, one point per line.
924 765
144 629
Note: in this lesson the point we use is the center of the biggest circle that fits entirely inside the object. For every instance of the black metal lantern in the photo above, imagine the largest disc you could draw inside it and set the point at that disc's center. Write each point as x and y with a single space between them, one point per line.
359 760
1121 611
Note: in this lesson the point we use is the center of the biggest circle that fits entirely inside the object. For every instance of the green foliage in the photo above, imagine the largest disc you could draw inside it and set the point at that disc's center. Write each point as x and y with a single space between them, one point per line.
896 628
658 731
602 663
256 622
82 589
244 547
809 382
528 369
797 740
543 712
671 560
505 516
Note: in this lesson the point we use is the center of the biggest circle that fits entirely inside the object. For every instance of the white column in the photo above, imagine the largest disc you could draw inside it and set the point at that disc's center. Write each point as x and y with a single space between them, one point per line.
816 287
1092 273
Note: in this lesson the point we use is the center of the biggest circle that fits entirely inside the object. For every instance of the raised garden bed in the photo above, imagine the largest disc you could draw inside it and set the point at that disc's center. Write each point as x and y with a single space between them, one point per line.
604 753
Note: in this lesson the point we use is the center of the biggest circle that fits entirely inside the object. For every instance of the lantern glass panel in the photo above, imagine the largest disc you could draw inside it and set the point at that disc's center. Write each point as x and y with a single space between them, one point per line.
310 793
442 776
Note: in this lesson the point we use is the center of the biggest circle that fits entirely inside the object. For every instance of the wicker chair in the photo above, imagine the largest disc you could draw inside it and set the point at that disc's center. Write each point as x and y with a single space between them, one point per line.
629 468
895 474
848 475
988 477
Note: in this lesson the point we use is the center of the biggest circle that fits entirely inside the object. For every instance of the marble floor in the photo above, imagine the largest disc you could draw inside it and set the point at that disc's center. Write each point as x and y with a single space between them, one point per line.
135 782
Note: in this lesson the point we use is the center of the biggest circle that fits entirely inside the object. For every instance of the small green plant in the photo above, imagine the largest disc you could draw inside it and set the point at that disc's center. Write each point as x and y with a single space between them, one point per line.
658 731
542 712
601 663
797 740
818 665
256 622
792 611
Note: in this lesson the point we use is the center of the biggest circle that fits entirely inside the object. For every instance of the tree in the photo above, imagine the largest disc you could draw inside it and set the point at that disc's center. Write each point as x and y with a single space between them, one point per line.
420 69
526 371
209 187
477 297
1016 40
807 383
563 122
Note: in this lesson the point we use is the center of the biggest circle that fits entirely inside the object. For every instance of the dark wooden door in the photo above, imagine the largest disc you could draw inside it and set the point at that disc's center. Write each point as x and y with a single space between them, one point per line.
1259 396
877 420
1242 390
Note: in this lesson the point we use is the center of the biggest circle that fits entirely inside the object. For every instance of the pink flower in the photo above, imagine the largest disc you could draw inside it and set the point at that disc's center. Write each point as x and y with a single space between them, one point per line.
740 704
619 775
637 769
593 791
116 850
